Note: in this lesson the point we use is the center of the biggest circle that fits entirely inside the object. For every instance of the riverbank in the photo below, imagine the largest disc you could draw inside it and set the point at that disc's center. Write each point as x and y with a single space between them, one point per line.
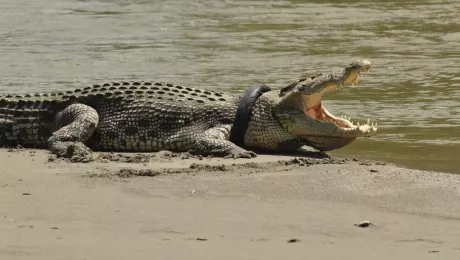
176 206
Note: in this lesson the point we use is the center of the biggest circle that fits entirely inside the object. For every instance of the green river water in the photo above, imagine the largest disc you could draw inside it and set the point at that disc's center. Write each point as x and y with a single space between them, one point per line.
413 90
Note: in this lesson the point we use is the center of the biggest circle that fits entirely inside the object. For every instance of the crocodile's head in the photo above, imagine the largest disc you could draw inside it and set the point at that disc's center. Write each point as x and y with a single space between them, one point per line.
301 112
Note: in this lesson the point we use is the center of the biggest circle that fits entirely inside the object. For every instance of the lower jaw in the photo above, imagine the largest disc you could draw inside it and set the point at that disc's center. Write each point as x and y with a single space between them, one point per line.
328 143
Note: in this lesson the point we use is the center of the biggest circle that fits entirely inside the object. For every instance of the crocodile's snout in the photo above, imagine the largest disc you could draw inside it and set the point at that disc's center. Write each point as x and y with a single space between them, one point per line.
321 128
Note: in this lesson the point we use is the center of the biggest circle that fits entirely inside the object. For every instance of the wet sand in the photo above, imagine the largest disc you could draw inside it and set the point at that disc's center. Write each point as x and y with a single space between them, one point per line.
178 206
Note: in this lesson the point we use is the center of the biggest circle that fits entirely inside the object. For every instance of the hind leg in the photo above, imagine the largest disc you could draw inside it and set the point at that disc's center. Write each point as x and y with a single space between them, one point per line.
76 124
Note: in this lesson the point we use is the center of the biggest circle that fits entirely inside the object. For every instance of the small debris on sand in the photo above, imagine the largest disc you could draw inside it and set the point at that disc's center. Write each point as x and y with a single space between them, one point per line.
364 224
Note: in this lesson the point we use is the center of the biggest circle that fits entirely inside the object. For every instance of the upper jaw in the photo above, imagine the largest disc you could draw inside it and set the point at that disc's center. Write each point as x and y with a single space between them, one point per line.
331 81
317 85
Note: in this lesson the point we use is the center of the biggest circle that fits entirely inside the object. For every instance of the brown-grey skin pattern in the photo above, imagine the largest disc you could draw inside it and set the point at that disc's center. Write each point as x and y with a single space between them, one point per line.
148 117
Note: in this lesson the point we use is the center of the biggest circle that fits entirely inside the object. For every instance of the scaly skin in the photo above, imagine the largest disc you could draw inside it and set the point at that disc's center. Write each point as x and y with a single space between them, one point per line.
148 117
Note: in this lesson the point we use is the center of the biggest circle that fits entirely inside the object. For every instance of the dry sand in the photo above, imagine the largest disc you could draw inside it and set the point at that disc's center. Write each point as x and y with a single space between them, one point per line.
175 206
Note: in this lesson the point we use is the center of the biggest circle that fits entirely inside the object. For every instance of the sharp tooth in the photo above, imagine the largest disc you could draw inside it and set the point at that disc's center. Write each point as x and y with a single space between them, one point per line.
357 124
368 121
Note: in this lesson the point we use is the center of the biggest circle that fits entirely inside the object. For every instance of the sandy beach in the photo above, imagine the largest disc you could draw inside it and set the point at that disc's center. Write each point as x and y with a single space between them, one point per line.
178 206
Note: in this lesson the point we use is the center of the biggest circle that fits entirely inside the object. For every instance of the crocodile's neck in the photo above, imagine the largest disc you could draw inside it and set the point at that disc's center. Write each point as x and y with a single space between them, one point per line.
264 130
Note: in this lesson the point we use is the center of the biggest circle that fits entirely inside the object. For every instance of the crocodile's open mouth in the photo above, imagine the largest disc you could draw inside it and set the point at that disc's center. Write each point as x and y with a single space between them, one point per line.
314 108
321 129
319 112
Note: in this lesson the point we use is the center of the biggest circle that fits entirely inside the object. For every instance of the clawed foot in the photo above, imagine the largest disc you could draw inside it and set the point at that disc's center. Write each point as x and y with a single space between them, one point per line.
240 153
75 151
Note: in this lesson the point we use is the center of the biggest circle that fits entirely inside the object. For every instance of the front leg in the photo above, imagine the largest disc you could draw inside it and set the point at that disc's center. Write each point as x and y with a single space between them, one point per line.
214 141
75 124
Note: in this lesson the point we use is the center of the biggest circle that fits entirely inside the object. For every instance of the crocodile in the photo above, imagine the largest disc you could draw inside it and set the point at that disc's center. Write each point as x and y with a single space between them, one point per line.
144 116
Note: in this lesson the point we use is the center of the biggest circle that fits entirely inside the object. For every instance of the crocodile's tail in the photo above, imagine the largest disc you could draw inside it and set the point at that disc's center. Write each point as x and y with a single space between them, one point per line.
25 122
3 140
5 124
4 121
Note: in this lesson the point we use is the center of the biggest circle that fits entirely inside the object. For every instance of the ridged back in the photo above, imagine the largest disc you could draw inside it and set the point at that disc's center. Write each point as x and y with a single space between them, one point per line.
124 89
